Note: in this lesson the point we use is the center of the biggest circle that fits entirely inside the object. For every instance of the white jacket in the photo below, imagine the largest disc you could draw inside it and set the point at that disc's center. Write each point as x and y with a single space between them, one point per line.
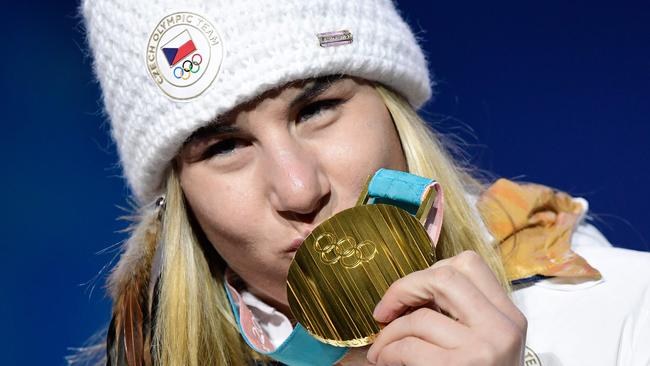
604 322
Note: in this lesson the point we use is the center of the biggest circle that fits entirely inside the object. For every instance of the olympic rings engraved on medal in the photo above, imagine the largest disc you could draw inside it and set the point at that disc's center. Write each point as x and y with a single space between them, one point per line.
325 245
345 251
188 67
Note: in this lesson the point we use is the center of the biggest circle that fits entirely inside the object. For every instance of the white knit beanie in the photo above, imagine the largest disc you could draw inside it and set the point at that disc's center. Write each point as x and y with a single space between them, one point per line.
167 68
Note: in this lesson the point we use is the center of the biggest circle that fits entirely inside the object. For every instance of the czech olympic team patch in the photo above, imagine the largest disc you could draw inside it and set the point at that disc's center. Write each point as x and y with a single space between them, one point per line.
184 54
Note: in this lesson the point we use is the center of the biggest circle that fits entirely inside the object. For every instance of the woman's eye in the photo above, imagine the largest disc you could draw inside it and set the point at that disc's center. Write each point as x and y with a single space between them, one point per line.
223 147
316 108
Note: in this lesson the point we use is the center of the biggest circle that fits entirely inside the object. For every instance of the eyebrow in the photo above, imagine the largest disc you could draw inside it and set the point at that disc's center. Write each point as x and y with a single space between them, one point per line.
214 128
312 89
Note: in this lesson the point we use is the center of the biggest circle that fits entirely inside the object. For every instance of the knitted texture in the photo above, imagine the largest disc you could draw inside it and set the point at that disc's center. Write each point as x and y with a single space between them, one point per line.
265 43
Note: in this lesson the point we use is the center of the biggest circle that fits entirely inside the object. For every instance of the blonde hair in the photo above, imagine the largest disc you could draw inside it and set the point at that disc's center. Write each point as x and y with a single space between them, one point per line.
194 324
193 321
425 155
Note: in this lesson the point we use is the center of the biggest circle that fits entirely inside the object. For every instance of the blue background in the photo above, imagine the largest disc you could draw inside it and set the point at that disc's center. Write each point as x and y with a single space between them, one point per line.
554 92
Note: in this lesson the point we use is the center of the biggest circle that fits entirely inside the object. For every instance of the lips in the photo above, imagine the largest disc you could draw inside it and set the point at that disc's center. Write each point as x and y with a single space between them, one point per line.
297 242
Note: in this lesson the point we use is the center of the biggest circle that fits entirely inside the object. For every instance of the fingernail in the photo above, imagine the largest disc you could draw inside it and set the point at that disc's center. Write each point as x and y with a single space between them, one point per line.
377 313
370 356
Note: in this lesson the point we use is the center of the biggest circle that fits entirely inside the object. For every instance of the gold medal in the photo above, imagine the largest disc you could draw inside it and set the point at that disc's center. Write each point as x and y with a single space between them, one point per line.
347 263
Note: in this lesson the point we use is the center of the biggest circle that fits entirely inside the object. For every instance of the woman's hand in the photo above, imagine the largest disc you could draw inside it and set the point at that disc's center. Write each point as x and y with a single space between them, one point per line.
483 326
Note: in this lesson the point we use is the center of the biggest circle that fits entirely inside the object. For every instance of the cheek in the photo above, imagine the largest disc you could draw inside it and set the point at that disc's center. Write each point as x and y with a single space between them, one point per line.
382 147
365 142
359 146
221 208
231 212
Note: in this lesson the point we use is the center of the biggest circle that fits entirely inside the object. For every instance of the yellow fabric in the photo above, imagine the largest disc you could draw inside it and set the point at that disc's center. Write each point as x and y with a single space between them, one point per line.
533 225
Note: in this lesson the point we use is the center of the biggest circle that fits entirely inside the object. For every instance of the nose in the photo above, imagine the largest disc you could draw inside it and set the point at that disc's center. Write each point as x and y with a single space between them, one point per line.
297 183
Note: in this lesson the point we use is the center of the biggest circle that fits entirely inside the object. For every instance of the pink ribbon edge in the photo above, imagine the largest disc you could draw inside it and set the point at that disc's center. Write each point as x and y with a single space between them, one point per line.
433 223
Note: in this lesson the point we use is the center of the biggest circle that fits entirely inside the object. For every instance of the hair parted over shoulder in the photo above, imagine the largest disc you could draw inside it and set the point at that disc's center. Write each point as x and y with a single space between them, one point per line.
203 331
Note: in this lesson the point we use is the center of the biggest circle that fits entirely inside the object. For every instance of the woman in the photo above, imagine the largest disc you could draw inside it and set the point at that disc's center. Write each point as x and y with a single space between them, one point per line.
241 126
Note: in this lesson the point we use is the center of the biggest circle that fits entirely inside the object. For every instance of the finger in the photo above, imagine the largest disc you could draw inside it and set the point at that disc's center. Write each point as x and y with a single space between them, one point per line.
479 273
447 287
411 351
424 323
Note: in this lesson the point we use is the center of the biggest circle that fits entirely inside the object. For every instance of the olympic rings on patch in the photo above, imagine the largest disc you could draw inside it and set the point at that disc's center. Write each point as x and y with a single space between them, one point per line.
188 67
345 251
200 59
